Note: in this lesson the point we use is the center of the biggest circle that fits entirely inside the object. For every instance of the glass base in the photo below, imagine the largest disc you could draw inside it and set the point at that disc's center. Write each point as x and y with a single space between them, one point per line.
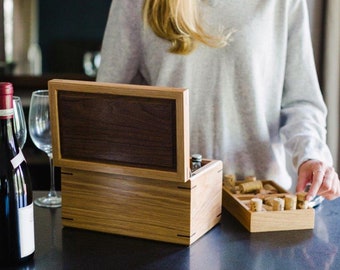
48 201
316 201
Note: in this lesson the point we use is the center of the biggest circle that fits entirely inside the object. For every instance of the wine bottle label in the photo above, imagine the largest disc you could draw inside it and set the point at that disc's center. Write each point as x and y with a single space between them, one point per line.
18 159
6 113
26 230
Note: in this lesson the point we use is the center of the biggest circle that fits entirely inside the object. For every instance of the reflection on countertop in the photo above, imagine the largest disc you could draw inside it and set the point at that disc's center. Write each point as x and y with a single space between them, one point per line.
227 246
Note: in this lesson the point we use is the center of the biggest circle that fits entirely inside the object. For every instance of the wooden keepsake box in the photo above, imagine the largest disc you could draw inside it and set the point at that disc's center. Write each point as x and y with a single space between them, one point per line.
266 220
125 162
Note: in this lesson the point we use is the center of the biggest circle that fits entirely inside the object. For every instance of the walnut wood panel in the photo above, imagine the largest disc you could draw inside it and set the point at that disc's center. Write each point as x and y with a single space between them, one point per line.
124 130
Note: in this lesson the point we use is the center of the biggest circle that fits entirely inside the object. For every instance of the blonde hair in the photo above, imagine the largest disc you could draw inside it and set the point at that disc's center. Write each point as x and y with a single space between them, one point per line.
179 22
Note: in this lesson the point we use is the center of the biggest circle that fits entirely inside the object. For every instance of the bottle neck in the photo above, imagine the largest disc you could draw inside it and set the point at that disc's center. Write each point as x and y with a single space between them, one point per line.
6 129
6 113
6 106
6 116
8 144
6 124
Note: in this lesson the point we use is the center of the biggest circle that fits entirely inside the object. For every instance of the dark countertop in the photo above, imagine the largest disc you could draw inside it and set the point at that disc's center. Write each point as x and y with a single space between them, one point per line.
227 246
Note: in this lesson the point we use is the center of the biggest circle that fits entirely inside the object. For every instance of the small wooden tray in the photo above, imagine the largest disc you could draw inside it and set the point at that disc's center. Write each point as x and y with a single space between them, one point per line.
266 221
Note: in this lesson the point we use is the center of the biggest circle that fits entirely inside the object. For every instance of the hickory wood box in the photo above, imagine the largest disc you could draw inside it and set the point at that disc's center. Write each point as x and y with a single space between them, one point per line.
125 163
266 221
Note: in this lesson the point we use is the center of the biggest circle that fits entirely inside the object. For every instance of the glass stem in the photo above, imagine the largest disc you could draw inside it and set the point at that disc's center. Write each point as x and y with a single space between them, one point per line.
52 192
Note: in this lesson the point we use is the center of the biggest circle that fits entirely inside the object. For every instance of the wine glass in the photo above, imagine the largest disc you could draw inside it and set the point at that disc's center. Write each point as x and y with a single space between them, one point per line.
19 121
39 127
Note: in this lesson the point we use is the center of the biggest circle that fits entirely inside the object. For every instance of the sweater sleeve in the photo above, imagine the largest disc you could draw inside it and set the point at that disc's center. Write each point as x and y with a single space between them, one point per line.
121 43
303 111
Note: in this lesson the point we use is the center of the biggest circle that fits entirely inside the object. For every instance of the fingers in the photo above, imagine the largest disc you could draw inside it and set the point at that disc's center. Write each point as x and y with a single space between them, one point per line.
317 180
330 187
305 175
302 182
325 182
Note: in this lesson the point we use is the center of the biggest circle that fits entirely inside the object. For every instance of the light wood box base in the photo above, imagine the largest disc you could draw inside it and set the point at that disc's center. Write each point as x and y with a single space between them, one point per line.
146 208
266 221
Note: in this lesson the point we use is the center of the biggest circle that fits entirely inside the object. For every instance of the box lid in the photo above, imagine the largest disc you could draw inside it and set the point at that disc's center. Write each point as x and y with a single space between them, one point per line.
121 129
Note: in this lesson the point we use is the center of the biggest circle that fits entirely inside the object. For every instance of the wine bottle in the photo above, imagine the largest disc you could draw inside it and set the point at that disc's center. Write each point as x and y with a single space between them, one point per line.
17 242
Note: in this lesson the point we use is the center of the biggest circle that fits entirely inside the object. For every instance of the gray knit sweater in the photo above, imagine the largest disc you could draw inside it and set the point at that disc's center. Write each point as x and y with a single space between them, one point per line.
255 104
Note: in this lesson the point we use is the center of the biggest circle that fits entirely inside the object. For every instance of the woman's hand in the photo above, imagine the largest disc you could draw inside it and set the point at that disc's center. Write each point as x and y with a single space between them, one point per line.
323 179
